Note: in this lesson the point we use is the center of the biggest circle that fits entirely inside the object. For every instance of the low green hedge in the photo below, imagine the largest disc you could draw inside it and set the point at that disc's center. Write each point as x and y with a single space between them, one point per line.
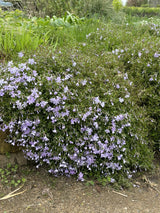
142 11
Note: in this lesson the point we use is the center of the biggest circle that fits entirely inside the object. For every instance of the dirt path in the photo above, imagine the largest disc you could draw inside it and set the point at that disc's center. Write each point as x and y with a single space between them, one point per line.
43 193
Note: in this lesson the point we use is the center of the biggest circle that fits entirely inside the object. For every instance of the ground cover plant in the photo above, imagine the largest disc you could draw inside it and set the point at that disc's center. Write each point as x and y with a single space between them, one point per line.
85 106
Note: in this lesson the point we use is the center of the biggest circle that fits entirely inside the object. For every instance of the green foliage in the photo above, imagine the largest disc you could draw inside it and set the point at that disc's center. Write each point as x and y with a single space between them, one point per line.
142 11
117 5
8 176
81 8
19 33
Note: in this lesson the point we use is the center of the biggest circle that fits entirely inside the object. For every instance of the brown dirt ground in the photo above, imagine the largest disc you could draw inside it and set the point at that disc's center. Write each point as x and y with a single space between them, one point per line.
43 193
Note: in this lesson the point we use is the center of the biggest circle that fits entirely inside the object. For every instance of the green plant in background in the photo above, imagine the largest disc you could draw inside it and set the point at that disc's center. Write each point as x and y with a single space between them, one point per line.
142 11
81 8
117 5
9 177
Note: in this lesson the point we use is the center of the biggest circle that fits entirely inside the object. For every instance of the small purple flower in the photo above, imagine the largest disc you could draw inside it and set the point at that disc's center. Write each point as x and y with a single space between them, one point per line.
55 101
58 80
31 61
31 99
120 157
139 54
74 64
156 55
95 137
96 100
112 180
89 131
65 89
43 103
49 78
35 73
84 82
20 54
121 100
80 176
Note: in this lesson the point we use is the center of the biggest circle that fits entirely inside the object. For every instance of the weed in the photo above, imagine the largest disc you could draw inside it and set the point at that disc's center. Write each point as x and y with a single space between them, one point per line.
8 176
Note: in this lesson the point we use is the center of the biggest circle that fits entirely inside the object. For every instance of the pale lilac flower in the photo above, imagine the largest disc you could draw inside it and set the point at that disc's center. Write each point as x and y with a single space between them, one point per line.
95 137
65 89
127 96
20 54
55 101
156 55
96 100
80 176
74 64
31 61
121 100
31 99
89 131
43 103
84 82
58 80
151 79
117 86
102 104
49 78
35 73
107 131
125 76
139 54
112 180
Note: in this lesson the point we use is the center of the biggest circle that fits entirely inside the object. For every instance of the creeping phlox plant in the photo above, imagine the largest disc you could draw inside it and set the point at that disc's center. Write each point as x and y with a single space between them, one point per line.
75 118
142 65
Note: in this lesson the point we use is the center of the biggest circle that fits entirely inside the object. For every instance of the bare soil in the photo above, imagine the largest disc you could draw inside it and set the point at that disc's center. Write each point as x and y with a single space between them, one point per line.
43 193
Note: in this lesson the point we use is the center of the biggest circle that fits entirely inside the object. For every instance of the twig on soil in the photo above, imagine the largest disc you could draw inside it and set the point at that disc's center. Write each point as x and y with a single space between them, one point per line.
11 194
150 184
120 194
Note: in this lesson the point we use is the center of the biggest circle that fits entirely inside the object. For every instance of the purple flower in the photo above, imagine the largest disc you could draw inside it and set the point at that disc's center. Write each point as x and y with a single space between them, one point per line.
49 78
43 103
58 80
20 54
65 89
89 131
74 64
31 61
121 100
80 176
156 55
84 82
55 101
120 157
96 100
30 99
95 137
139 54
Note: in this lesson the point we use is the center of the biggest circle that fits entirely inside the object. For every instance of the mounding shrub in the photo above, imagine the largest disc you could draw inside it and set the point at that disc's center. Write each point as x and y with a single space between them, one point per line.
141 63
71 112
